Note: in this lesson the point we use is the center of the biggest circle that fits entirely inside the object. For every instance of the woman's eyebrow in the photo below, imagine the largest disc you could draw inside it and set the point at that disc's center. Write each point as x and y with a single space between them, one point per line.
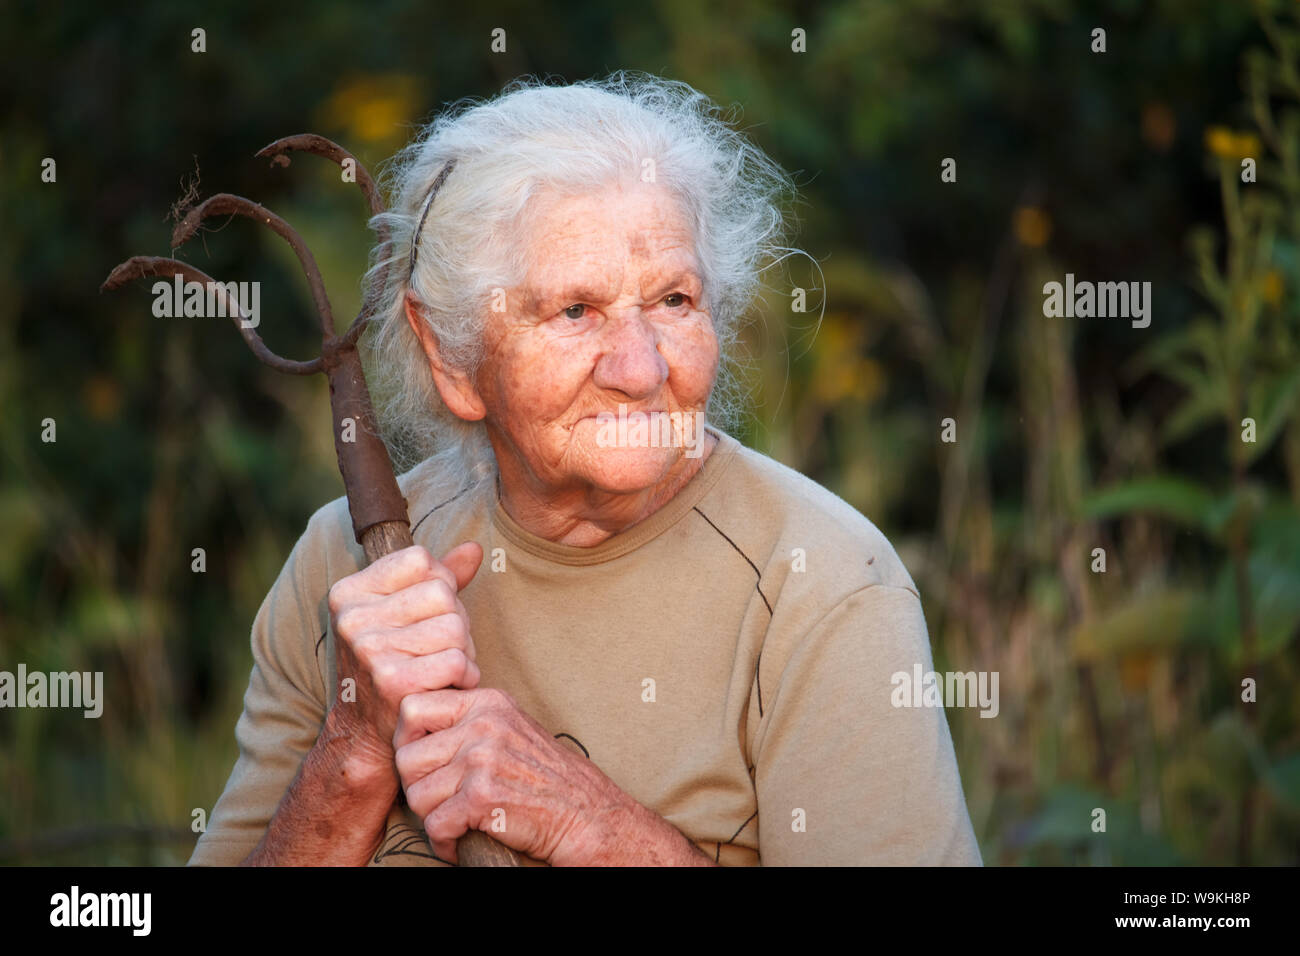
679 277
546 298
568 294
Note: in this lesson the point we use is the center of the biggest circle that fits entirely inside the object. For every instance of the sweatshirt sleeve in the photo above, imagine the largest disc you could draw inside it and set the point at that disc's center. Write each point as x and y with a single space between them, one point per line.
844 777
284 707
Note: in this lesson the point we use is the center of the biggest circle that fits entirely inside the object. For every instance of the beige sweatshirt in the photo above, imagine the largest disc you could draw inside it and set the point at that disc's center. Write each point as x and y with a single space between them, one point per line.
727 662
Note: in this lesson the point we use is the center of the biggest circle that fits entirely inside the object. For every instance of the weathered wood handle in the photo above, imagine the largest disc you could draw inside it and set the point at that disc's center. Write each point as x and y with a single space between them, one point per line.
474 848
385 538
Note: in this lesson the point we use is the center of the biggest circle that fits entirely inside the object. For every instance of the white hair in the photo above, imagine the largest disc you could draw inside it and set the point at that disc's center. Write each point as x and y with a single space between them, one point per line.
571 138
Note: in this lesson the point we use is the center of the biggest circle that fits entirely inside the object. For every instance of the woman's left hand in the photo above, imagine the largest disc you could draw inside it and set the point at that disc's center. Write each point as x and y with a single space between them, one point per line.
472 760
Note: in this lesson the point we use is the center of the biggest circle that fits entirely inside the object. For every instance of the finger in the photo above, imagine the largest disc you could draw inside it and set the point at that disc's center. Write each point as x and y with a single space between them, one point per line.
416 602
434 634
422 756
396 571
432 771
428 712
413 675
463 561
447 823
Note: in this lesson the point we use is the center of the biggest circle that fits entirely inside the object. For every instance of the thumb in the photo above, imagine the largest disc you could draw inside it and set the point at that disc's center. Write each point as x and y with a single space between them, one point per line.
463 561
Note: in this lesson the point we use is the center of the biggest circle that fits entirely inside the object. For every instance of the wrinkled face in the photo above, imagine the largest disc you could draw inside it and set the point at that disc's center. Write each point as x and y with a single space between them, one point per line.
610 319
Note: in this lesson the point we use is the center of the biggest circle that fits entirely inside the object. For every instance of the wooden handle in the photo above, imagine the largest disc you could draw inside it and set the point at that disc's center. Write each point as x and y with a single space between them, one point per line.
474 848
385 538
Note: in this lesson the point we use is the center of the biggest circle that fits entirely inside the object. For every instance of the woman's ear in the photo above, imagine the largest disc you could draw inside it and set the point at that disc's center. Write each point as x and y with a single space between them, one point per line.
454 386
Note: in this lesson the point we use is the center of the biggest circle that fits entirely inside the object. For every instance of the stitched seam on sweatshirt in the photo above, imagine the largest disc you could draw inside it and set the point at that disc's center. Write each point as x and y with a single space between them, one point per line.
436 507
758 580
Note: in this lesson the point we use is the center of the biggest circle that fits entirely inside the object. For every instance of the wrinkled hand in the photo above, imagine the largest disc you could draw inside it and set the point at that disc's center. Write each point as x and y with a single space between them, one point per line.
401 629
472 760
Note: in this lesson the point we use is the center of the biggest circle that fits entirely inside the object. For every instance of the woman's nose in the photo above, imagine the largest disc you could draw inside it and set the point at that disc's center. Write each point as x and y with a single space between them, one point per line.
630 361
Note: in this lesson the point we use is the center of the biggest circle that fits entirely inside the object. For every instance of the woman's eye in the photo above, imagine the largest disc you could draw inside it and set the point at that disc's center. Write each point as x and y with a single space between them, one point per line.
575 311
675 300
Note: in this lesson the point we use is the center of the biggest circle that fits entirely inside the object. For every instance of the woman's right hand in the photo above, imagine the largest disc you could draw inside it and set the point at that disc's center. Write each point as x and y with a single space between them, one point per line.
400 629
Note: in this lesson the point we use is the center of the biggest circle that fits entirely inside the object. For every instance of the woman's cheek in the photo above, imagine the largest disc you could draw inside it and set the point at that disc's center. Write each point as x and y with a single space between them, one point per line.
546 375
692 355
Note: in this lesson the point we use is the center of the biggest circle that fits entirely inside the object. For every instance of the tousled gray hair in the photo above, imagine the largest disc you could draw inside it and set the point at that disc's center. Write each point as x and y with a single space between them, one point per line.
572 138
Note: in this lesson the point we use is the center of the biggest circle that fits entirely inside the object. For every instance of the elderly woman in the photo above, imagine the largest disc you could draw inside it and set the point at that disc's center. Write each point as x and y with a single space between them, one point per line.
621 636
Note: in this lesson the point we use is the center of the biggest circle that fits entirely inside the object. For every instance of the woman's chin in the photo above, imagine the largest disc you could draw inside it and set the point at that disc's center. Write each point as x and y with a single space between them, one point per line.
628 470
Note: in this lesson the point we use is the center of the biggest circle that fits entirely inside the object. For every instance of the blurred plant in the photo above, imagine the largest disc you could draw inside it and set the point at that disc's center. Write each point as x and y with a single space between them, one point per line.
1239 368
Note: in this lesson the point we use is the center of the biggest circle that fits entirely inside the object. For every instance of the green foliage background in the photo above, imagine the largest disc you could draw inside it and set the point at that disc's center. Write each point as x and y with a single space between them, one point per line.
1118 690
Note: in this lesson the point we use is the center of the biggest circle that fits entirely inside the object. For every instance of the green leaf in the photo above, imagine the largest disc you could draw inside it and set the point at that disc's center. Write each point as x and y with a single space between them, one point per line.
1274 573
1276 590
1275 577
1064 822
1148 623
1201 407
1273 401
1283 778
1066 817
1178 498
1172 348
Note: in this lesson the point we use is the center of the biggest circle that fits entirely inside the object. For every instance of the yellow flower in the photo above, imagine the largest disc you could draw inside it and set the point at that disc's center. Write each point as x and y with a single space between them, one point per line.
1033 226
102 397
1247 145
1218 140
868 380
1272 287
1226 144
371 108
842 373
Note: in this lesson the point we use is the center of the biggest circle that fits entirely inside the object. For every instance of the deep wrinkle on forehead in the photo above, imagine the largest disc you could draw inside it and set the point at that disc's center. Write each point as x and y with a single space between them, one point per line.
576 263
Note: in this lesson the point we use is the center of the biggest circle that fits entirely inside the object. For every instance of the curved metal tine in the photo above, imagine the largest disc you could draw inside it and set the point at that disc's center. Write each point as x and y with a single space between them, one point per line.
328 149
228 203
139 267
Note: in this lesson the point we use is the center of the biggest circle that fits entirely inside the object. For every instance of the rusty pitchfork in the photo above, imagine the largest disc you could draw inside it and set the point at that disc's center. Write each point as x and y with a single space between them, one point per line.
379 515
